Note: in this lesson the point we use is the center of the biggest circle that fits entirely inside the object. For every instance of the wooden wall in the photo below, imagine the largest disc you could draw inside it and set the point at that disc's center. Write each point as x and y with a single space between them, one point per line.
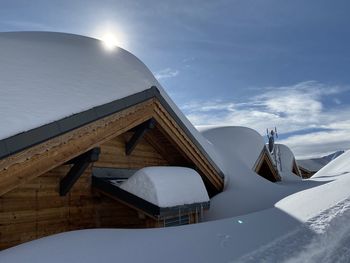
36 210
113 154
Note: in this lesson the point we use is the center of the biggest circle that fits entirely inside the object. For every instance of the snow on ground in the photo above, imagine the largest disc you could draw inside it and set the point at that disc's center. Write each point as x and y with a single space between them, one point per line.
270 235
167 186
289 223
323 238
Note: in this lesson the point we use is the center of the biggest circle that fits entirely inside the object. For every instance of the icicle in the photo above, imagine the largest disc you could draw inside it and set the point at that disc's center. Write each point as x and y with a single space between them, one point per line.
201 216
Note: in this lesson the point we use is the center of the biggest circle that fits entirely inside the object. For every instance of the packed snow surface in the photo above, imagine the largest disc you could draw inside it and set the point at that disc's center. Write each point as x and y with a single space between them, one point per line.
167 186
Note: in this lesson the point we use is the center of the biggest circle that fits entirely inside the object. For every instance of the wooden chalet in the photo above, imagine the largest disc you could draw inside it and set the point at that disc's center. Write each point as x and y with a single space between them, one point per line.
48 175
265 166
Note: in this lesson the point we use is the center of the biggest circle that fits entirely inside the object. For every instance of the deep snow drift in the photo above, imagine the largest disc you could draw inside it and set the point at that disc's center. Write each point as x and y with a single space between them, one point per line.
293 227
245 191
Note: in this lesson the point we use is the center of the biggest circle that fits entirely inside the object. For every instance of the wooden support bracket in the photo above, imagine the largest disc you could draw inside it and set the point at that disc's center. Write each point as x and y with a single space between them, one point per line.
140 131
80 164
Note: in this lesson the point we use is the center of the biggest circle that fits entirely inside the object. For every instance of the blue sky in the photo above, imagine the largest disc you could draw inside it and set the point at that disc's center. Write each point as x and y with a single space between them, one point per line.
241 62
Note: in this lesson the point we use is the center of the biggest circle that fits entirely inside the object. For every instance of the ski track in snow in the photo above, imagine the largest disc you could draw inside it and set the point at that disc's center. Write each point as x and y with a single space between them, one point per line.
324 238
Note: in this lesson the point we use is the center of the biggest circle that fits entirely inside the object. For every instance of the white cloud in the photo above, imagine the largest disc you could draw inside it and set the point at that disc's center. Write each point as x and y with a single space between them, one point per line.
166 73
292 108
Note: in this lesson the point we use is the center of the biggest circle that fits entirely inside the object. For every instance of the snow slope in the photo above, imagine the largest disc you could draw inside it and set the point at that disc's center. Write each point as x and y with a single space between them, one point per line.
167 186
316 164
271 235
340 165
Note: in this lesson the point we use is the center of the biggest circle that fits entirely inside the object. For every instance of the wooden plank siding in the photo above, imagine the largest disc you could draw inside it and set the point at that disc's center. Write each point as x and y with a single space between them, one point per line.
24 166
113 154
36 209
30 204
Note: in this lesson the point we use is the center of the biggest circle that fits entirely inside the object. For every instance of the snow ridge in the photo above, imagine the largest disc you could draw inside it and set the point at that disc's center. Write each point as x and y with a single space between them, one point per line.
324 238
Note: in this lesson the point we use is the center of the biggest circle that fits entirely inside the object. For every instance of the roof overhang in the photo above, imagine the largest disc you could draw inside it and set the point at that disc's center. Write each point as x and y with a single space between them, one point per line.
265 156
32 153
104 185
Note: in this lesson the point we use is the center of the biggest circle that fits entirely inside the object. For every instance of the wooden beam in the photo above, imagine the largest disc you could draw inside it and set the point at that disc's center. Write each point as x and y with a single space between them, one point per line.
24 166
188 148
141 130
81 163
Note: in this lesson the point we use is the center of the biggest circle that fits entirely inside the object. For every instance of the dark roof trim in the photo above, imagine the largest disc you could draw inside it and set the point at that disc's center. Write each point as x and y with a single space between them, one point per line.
46 132
104 185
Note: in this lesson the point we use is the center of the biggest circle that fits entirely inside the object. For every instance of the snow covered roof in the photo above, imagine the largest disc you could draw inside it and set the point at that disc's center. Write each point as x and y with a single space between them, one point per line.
46 76
287 162
240 143
54 82
167 186
311 165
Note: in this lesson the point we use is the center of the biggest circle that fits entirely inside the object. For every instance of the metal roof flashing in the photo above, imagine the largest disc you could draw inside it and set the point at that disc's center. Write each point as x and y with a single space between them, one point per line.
24 140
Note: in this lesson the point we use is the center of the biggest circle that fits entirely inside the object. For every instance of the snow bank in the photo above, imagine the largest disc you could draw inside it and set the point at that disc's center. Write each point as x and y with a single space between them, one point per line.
167 186
217 241
335 179
340 165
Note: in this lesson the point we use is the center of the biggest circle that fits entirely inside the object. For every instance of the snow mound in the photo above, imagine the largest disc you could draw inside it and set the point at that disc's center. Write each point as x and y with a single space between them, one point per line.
167 186
287 161
340 165
239 143
239 148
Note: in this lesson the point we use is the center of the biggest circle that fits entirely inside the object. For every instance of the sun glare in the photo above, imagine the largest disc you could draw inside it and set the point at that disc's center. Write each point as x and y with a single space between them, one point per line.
110 41
111 36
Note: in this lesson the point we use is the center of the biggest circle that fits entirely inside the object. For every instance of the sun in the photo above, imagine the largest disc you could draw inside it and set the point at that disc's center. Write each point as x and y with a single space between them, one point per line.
110 41
111 36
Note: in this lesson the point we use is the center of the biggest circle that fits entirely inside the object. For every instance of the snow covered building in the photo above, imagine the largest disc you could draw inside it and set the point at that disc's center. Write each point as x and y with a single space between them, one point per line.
72 112
308 167
286 163
246 146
